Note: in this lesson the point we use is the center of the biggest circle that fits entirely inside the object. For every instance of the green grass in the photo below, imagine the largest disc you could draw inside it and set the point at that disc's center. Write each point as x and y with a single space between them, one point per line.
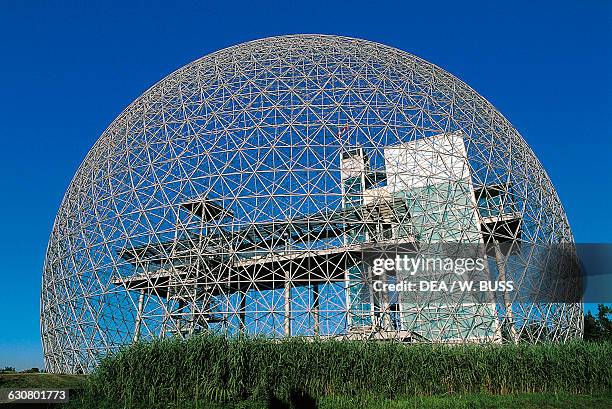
469 401
476 401
214 372
42 380
220 371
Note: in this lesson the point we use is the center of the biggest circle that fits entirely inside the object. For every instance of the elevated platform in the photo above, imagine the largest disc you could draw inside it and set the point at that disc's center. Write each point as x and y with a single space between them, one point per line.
267 272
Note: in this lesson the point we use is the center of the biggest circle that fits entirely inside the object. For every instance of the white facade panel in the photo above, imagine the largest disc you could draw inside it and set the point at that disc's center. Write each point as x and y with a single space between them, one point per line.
426 162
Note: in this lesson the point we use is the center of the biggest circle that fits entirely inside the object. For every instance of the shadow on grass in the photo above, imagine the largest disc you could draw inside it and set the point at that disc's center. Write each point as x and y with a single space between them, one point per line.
297 400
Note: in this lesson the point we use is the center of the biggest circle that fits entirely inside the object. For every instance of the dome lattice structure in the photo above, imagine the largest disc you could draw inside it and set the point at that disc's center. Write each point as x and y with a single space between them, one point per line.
236 195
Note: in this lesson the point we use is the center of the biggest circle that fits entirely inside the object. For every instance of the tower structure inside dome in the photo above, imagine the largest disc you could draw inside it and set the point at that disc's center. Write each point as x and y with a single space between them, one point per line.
198 273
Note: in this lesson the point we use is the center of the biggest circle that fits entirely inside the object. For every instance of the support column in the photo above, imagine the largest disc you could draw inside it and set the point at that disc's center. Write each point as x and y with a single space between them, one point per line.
179 320
287 304
501 268
139 312
370 285
288 278
315 309
242 313
384 305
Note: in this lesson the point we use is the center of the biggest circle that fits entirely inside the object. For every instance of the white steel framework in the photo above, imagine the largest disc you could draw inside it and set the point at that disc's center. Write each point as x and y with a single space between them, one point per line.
237 194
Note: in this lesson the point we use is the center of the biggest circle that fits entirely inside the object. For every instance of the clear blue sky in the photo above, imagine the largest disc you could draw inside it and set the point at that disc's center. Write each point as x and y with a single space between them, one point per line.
69 69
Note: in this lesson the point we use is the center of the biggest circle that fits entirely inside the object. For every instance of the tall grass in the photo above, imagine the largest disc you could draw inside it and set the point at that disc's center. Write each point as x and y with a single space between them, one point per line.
217 369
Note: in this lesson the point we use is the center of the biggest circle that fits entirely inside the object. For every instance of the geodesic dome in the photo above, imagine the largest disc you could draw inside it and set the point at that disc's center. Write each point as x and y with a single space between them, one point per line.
236 195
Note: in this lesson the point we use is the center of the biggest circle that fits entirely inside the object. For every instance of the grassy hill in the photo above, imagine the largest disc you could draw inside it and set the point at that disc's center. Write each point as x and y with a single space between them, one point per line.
42 380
